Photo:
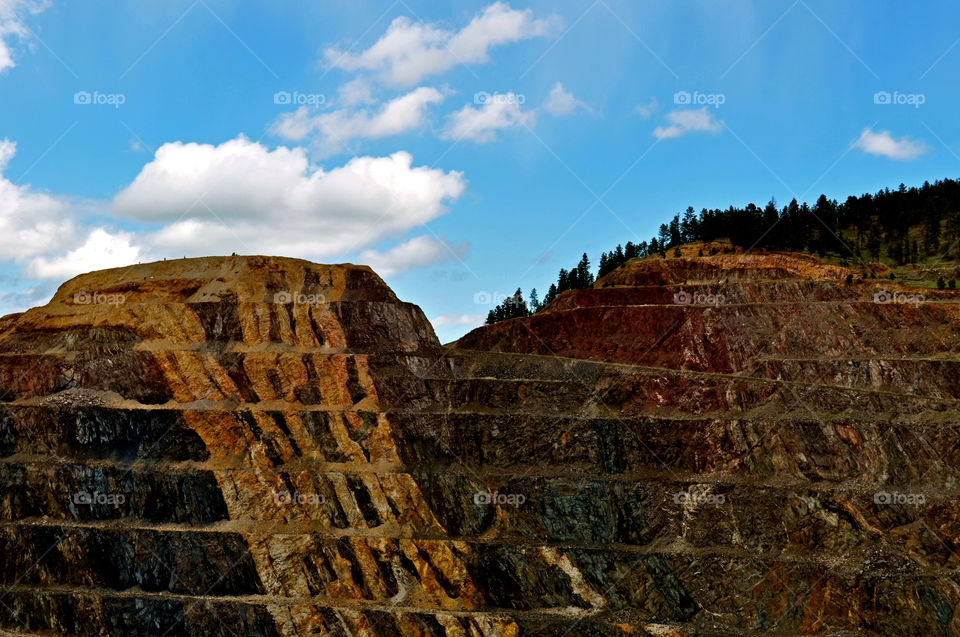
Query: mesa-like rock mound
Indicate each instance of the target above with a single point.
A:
(262, 446)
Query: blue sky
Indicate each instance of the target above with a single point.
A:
(461, 150)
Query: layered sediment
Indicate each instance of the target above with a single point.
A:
(266, 446)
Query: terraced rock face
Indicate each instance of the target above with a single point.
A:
(263, 446)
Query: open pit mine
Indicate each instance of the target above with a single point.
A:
(735, 444)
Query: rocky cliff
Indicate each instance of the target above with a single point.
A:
(265, 446)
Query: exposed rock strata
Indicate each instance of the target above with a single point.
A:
(264, 446)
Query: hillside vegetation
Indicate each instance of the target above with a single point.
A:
(912, 234)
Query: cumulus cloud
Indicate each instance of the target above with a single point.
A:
(241, 196)
(683, 121)
(884, 144)
(480, 125)
(561, 102)
(454, 320)
(12, 14)
(410, 51)
(35, 225)
(335, 129)
(417, 252)
(101, 249)
(31, 223)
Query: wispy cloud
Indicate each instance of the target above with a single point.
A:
(410, 51)
(416, 253)
(562, 102)
(12, 15)
(685, 121)
(456, 320)
(498, 112)
(647, 110)
(883, 144)
(333, 130)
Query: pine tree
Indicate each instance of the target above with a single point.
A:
(602, 268)
(676, 237)
(584, 277)
(664, 235)
(551, 294)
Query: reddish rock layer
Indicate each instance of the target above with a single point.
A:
(264, 446)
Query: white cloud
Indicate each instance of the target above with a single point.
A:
(356, 91)
(684, 121)
(647, 110)
(884, 145)
(561, 102)
(335, 129)
(241, 196)
(12, 14)
(498, 112)
(100, 250)
(451, 320)
(410, 51)
(39, 231)
(417, 252)
(23, 300)
(31, 223)
(7, 150)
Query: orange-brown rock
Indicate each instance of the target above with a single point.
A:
(266, 446)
